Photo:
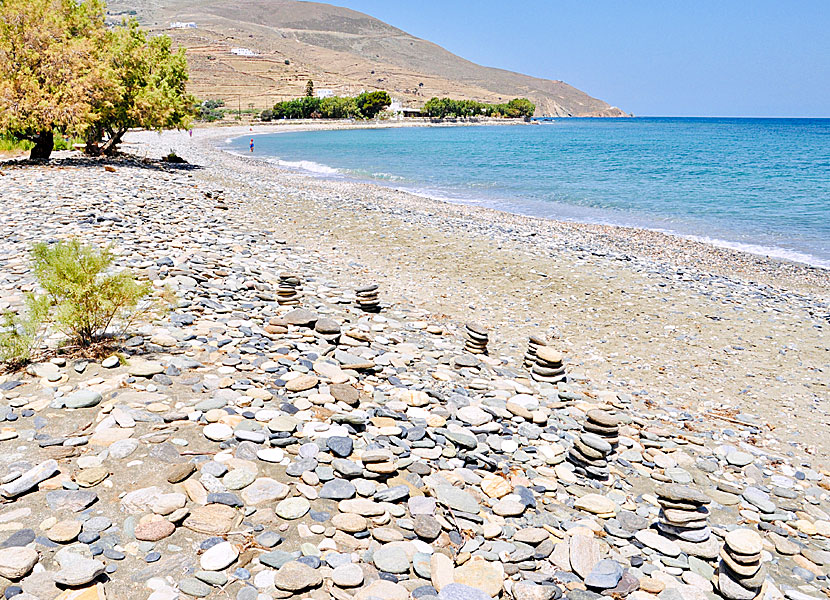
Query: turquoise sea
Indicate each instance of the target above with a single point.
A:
(761, 185)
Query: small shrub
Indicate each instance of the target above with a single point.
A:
(20, 333)
(85, 300)
(82, 299)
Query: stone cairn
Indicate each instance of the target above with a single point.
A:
(533, 344)
(549, 366)
(589, 456)
(740, 573)
(367, 298)
(287, 294)
(683, 513)
(605, 424)
(475, 339)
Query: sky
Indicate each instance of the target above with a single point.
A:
(648, 57)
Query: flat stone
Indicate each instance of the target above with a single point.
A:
(458, 591)
(153, 531)
(507, 507)
(683, 493)
(295, 576)
(380, 588)
(17, 561)
(605, 575)
(482, 574)
(218, 557)
(217, 432)
(337, 489)
(596, 504)
(83, 399)
(302, 383)
(180, 472)
(30, 479)
(349, 522)
(64, 531)
(391, 559)
(457, 499)
(264, 490)
(744, 541)
(584, 554)
(193, 587)
(76, 569)
(657, 542)
(212, 519)
(347, 576)
(292, 508)
(145, 368)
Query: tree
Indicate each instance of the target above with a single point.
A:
(147, 88)
(309, 89)
(51, 71)
(371, 103)
(336, 107)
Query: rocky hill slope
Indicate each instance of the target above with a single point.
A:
(254, 52)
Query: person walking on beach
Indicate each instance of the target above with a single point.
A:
(252, 145)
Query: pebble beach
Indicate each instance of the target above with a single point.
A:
(361, 393)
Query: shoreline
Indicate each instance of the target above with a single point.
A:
(742, 248)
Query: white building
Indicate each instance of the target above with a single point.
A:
(324, 93)
(396, 109)
(243, 52)
(182, 25)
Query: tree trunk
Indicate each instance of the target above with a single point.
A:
(44, 141)
(93, 138)
(110, 147)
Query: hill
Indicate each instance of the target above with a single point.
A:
(252, 53)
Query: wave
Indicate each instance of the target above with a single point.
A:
(305, 165)
(759, 250)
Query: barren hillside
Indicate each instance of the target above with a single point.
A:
(340, 49)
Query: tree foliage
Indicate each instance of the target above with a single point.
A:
(337, 107)
(447, 107)
(147, 87)
(63, 71)
(52, 71)
(365, 106)
(370, 104)
(211, 110)
(309, 88)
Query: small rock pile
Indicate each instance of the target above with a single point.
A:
(367, 297)
(740, 574)
(589, 456)
(605, 424)
(683, 513)
(476, 338)
(533, 344)
(287, 290)
(549, 366)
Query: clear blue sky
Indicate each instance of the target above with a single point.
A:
(649, 57)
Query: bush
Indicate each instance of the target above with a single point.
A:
(85, 300)
(80, 298)
(299, 108)
(210, 110)
(447, 107)
(371, 103)
(336, 107)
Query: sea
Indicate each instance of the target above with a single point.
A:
(758, 185)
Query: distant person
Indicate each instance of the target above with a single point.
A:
(252, 145)
(190, 132)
